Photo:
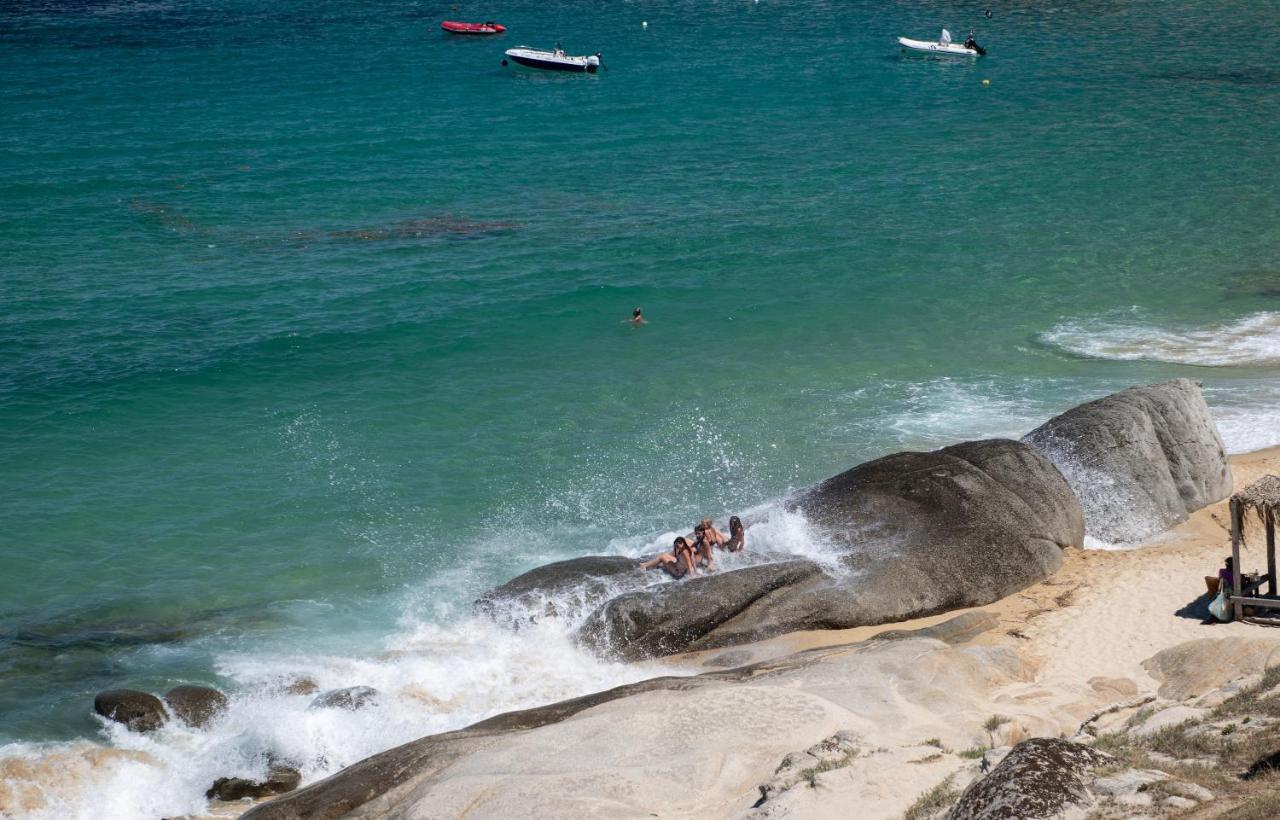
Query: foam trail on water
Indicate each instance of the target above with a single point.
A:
(1252, 340)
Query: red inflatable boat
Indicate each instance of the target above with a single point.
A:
(472, 28)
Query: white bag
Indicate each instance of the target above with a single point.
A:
(1219, 608)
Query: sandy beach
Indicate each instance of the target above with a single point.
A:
(894, 720)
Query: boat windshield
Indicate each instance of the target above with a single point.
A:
(945, 39)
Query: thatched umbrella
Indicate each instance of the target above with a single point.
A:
(1262, 497)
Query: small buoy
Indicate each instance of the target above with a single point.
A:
(988, 12)
(986, 82)
(644, 24)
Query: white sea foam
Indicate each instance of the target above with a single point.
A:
(1252, 340)
(439, 670)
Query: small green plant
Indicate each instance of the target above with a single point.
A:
(1228, 729)
(810, 774)
(973, 752)
(933, 801)
(995, 722)
(933, 741)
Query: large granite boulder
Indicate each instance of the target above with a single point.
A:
(679, 617)
(140, 711)
(916, 534)
(1139, 460)
(1039, 779)
(578, 583)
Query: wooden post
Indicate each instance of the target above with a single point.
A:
(1237, 607)
(1269, 519)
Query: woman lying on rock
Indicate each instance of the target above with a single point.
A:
(678, 563)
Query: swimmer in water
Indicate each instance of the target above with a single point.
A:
(637, 318)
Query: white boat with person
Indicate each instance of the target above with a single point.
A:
(555, 60)
(943, 45)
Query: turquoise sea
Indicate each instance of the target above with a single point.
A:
(312, 317)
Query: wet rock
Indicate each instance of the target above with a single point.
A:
(1139, 460)
(301, 686)
(734, 657)
(195, 705)
(350, 698)
(919, 533)
(576, 583)
(1040, 778)
(677, 617)
(140, 711)
(280, 779)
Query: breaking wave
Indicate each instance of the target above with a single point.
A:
(442, 668)
(1252, 340)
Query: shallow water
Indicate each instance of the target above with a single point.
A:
(312, 330)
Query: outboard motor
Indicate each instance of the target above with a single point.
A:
(593, 63)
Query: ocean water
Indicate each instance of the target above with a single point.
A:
(312, 319)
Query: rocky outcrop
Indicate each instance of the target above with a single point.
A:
(195, 705)
(917, 534)
(280, 779)
(1040, 778)
(688, 746)
(680, 617)
(350, 698)
(579, 583)
(1140, 460)
(140, 711)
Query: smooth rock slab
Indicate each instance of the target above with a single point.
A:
(1173, 716)
(1200, 666)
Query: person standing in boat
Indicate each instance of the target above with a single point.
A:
(970, 42)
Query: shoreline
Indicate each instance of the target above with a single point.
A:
(919, 700)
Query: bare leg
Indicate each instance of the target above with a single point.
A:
(664, 558)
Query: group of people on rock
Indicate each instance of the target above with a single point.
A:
(695, 551)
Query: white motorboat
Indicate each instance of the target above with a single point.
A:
(555, 60)
(943, 45)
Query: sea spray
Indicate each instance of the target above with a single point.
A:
(443, 668)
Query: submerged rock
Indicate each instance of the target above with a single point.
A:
(1039, 778)
(1140, 460)
(280, 780)
(140, 711)
(917, 534)
(195, 705)
(350, 698)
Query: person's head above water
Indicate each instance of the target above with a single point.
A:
(735, 525)
(635, 314)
